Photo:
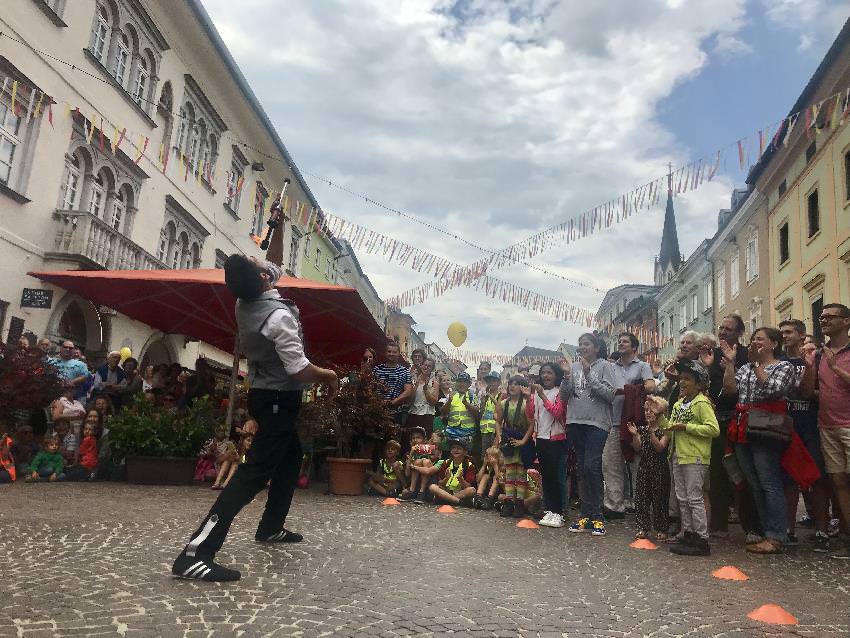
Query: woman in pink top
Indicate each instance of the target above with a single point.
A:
(548, 413)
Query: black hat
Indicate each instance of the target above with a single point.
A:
(459, 443)
(464, 376)
(418, 430)
(696, 368)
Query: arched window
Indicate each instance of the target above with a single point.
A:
(98, 195)
(100, 33)
(181, 248)
(194, 258)
(211, 157)
(71, 186)
(122, 58)
(119, 206)
(141, 87)
(182, 129)
(167, 239)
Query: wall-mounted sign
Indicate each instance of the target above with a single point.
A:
(36, 298)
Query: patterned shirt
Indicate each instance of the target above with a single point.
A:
(780, 378)
(392, 381)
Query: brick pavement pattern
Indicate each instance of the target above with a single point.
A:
(94, 559)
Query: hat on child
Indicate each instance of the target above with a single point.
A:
(459, 443)
(492, 376)
(696, 368)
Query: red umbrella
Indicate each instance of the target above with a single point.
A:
(197, 303)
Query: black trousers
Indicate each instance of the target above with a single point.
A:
(275, 454)
(549, 454)
(652, 496)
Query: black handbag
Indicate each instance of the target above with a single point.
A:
(763, 425)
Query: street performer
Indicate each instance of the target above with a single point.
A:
(271, 337)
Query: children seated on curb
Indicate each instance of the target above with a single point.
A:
(692, 425)
(85, 464)
(232, 459)
(461, 412)
(491, 479)
(457, 477)
(419, 456)
(512, 433)
(652, 493)
(212, 454)
(48, 463)
(388, 479)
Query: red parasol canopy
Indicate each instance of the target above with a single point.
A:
(197, 303)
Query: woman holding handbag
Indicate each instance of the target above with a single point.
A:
(761, 428)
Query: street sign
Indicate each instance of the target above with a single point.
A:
(36, 298)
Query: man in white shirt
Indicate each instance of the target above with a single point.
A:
(271, 338)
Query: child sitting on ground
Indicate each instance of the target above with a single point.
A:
(87, 455)
(388, 479)
(419, 456)
(491, 479)
(232, 459)
(428, 473)
(691, 427)
(24, 449)
(212, 453)
(48, 464)
(457, 477)
(7, 461)
(652, 493)
(68, 441)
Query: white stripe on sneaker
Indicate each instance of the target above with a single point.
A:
(196, 572)
(192, 547)
(206, 571)
(193, 567)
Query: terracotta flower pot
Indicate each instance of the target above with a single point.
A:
(346, 477)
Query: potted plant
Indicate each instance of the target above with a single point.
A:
(27, 382)
(354, 419)
(160, 446)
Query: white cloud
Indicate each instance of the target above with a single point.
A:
(492, 119)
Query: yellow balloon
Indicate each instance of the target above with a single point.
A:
(126, 353)
(456, 333)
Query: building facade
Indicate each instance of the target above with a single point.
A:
(686, 302)
(626, 308)
(739, 258)
(350, 273)
(806, 183)
(76, 194)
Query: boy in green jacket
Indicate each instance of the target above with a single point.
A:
(47, 464)
(692, 425)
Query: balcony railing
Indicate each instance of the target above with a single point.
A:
(81, 235)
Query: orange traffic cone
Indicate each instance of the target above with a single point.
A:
(643, 543)
(446, 509)
(772, 615)
(728, 572)
(528, 524)
(390, 501)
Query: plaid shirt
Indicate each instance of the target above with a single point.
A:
(780, 378)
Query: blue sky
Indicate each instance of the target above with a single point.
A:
(495, 120)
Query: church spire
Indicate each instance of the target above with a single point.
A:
(669, 258)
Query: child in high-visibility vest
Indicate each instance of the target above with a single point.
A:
(461, 412)
(388, 479)
(457, 477)
(490, 409)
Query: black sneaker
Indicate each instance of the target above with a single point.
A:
(283, 536)
(611, 515)
(466, 501)
(408, 496)
(791, 539)
(477, 502)
(820, 542)
(194, 568)
(507, 508)
(697, 546)
(486, 503)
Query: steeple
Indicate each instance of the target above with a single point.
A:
(669, 258)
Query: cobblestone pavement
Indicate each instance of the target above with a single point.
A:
(94, 559)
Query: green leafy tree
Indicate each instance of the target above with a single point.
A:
(27, 381)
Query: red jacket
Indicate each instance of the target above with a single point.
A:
(88, 453)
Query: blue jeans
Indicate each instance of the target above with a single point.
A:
(589, 442)
(761, 463)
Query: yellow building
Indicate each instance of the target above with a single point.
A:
(806, 182)
(319, 261)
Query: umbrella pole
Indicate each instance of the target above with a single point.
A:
(234, 377)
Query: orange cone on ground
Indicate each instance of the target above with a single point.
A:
(643, 543)
(446, 509)
(528, 524)
(772, 615)
(728, 572)
(390, 501)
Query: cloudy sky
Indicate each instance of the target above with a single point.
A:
(497, 118)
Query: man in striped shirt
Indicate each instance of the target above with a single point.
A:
(395, 381)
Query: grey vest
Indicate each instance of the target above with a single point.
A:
(265, 369)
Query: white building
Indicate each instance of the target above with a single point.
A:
(68, 201)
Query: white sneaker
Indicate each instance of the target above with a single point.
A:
(557, 520)
(547, 517)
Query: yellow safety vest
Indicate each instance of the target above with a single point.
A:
(461, 422)
(487, 425)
